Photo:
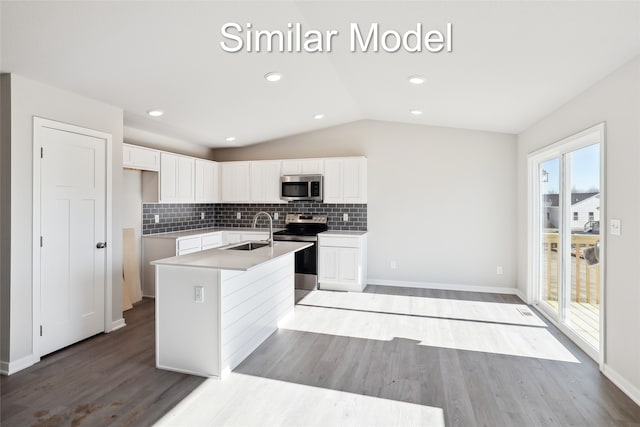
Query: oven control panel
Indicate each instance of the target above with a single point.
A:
(300, 218)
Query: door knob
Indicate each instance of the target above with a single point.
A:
(101, 245)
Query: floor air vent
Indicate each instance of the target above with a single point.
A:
(525, 311)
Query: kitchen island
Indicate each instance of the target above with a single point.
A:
(214, 307)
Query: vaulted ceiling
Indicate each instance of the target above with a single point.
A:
(511, 62)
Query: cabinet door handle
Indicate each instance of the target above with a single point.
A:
(101, 245)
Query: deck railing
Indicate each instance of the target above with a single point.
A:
(591, 284)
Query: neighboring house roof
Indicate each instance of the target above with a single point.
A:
(587, 200)
(553, 199)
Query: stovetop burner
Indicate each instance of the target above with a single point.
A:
(302, 226)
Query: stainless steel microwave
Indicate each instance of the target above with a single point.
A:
(301, 187)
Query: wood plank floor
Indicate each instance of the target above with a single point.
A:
(111, 379)
(474, 388)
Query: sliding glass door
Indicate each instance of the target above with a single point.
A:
(549, 227)
(567, 246)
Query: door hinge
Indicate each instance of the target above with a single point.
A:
(41, 152)
(40, 241)
(40, 330)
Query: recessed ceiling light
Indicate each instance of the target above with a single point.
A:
(415, 112)
(273, 77)
(155, 113)
(416, 80)
(318, 116)
(230, 138)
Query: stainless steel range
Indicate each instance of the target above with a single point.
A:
(304, 228)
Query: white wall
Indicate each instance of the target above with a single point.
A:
(441, 201)
(132, 207)
(29, 99)
(616, 101)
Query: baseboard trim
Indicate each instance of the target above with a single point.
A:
(445, 286)
(522, 296)
(10, 368)
(117, 324)
(627, 388)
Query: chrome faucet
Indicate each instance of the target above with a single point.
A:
(255, 221)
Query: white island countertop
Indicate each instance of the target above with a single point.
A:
(229, 259)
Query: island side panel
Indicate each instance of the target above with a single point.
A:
(154, 248)
(253, 303)
(188, 332)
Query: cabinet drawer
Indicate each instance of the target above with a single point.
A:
(189, 251)
(340, 241)
(189, 243)
(211, 240)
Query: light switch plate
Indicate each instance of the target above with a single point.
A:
(156, 218)
(238, 215)
(345, 217)
(199, 294)
(615, 228)
(275, 215)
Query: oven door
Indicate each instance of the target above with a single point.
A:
(307, 268)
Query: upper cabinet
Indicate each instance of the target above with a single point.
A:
(345, 180)
(134, 157)
(207, 181)
(236, 184)
(303, 167)
(177, 175)
(265, 181)
(173, 178)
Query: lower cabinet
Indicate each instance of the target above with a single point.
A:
(342, 261)
(159, 246)
(242, 236)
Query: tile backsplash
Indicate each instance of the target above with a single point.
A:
(187, 216)
(226, 214)
(176, 216)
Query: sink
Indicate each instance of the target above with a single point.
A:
(249, 246)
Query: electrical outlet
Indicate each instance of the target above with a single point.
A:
(156, 218)
(238, 215)
(394, 265)
(201, 215)
(345, 217)
(199, 294)
(499, 269)
(275, 215)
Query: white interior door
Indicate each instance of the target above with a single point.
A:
(73, 229)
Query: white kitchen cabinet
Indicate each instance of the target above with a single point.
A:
(342, 261)
(188, 245)
(207, 181)
(134, 157)
(236, 182)
(176, 178)
(212, 240)
(345, 180)
(265, 181)
(303, 167)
